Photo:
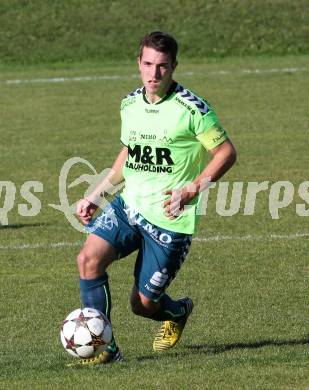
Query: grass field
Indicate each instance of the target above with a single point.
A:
(36, 31)
(249, 329)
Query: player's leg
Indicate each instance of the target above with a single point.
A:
(171, 329)
(94, 258)
(143, 306)
(164, 309)
(173, 313)
(110, 238)
(156, 266)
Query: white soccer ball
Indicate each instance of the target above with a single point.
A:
(85, 333)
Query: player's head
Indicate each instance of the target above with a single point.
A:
(157, 62)
(161, 42)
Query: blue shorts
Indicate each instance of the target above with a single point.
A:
(161, 252)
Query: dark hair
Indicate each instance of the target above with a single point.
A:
(160, 41)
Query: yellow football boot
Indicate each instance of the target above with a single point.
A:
(170, 332)
(103, 358)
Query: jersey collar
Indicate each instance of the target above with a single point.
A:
(168, 94)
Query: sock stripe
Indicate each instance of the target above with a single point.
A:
(176, 315)
(107, 306)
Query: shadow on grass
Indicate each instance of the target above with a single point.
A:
(209, 349)
(22, 225)
(219, 348)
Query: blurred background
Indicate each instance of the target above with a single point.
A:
(49, 31)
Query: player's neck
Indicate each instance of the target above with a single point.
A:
(156, 97)
(153, 98)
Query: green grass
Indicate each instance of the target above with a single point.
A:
(249, 329)
(35, 31)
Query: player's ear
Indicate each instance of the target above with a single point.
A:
(174, 65)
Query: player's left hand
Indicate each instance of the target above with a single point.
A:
(177, 201)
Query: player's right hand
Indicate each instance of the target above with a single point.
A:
(85, 210)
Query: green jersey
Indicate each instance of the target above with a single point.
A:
(164, 152)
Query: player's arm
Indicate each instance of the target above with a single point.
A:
(87, 206)
(223, 157)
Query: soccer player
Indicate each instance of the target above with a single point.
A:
(166, 133)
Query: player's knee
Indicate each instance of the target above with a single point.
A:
(144, 307)
(82, 259)
(88, 265)
(135, 307)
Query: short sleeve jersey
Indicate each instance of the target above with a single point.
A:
(164, 152)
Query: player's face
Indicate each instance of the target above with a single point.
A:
(156, 69)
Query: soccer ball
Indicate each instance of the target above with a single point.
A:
(85, 333)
